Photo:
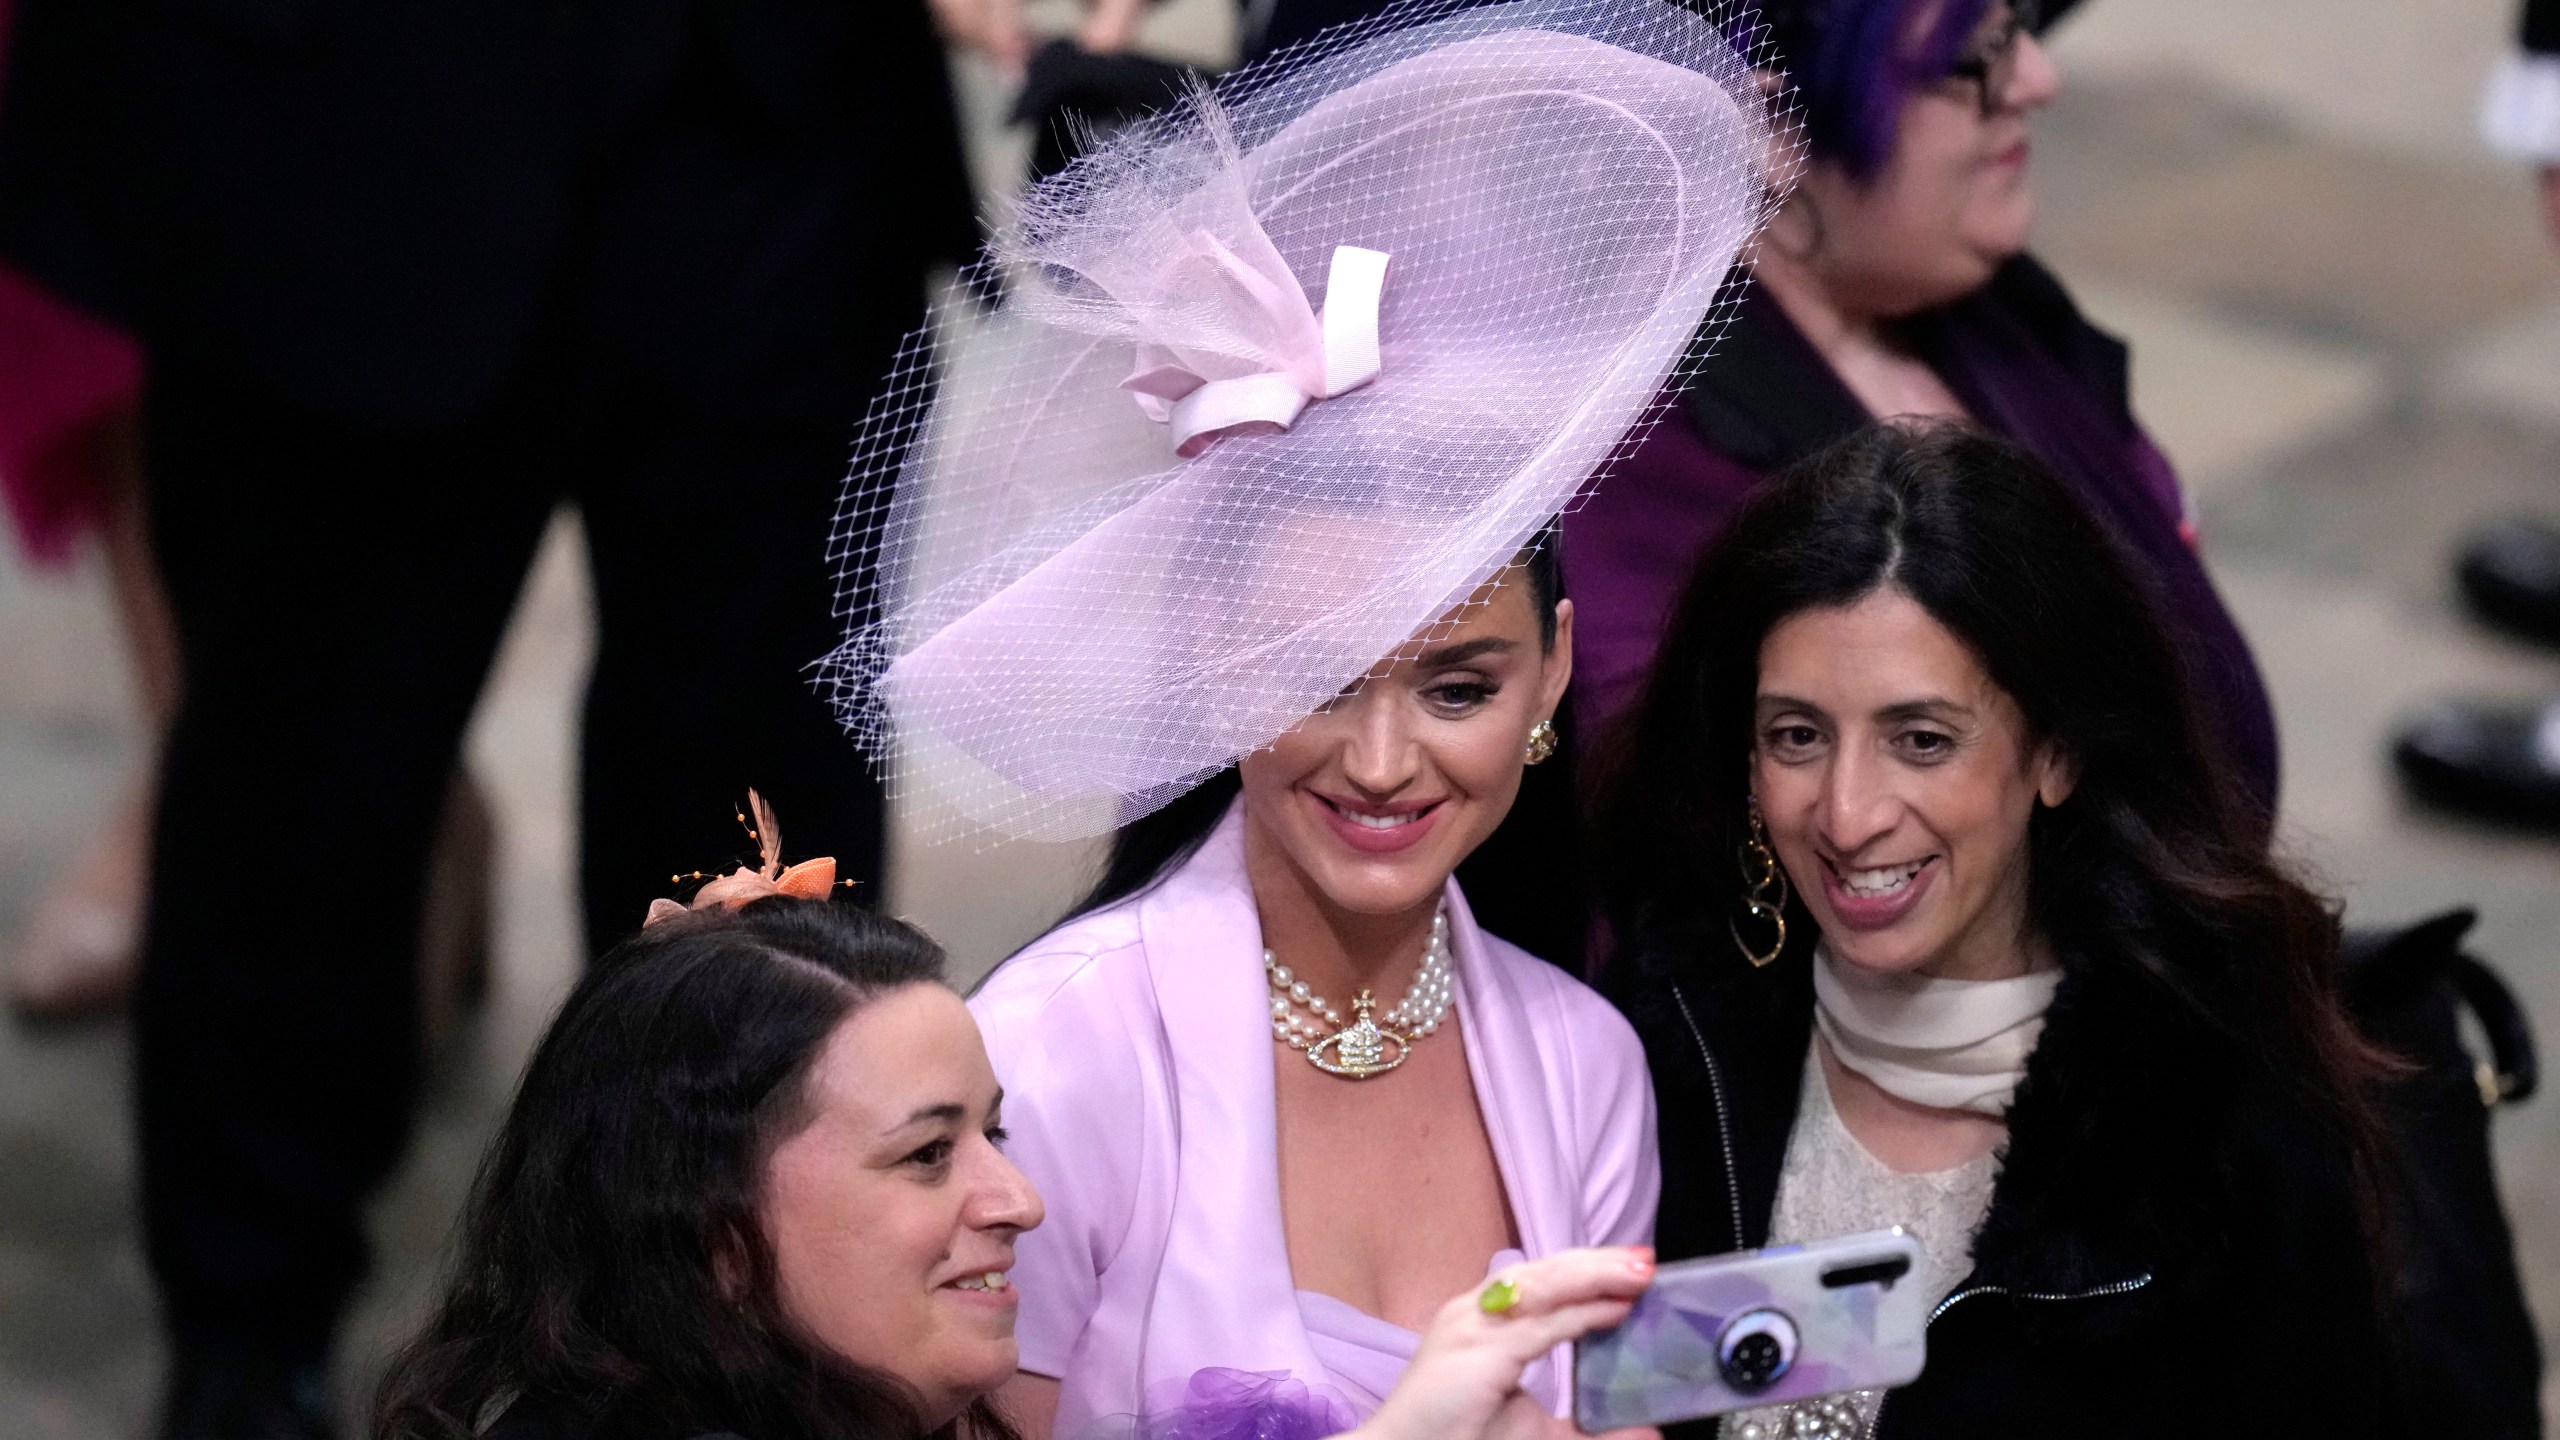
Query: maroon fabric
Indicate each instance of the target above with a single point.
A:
(1627, 552)
(2024, 361)
(61, 375)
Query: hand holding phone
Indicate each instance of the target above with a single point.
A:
(1464, 1380)
(1758, 1327)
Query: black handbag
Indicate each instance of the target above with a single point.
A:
(2470, 1362)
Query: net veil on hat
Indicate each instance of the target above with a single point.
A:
(1280, 381)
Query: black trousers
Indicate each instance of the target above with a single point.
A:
(339, 593)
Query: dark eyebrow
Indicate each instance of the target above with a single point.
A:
(1934, 707)
(1927, 707)
(1464, 651)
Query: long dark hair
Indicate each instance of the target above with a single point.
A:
(612, 1271)
(2156, 864)
(1154, 845)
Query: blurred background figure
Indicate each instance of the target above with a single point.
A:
(410, 278)
(70, 470)
(2502, 761)
(69, 385)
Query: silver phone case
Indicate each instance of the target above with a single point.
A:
(1706, 1320)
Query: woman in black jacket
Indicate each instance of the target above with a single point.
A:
(2005, 960)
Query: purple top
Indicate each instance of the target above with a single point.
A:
(1364, 1355)
(1628, 551)
(2025, 365)
(1134, 1045)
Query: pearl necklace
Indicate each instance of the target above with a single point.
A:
(1363, 1047)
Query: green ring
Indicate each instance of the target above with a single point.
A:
(1497, 1296)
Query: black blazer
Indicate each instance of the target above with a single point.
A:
(2170, 1249)
(2541, 26)
(374, 205)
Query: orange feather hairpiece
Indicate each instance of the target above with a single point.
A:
(808, 880)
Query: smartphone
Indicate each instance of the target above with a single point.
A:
(1758, 1327)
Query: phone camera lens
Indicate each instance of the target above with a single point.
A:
(1756, 1350)
(1755, 1361)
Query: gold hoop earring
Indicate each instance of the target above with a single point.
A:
(1542, 743)
(1760, 876)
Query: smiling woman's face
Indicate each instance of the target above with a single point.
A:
(1375, 799)
(890, 1210)
(1897, 782)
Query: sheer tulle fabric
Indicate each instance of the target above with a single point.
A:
(1058, 619)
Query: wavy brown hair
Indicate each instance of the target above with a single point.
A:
(612, 1269)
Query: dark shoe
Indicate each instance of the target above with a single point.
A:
(228, 1399)
(2499, 762)
(2510, 571)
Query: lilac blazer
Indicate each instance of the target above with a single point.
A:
(1134, 1046)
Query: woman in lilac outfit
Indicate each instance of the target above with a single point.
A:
(1261, 575)
(1216, 1202)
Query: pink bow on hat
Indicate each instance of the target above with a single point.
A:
(1065, 625)
(1314, 357)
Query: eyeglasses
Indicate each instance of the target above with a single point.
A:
(1991, 63)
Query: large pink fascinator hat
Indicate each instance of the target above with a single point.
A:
(1278, 383)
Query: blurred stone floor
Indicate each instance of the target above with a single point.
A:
(2346, 328)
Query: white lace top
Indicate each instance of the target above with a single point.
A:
(1829, 1185)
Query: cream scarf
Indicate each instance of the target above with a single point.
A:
(1949, 1044)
